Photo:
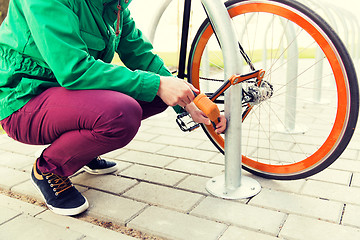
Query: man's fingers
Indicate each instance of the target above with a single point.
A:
(221, 126)
(193, 88)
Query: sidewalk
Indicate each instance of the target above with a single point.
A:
(39, 223)
(160, 190)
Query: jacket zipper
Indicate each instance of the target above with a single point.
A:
(118, 19)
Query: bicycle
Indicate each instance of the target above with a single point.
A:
(274, 144)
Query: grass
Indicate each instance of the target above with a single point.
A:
(171, 58)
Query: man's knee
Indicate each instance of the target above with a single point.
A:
(121, 121)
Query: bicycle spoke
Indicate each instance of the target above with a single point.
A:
(291, 133)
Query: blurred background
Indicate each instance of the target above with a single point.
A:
(343, 16)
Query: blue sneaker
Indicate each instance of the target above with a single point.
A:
(99, 166)
(59, 194)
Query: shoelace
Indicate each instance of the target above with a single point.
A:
(101, 161)
(58, 183)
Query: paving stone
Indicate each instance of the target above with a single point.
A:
(27, 227)
(81, 189)
(333, 176)
(108, 183)
(207, 146)
(349, 154)
(114, 154)
(28, 189)
(265, 153)
(155, 175)
(354, 143)
(181, 152)
(20, 206)
(7, 214)
(4, 138)
(236, 213)
(166, 132)
(299, 227)
(235, 233)
(176, 226)
(293, 186)
(11, 177)
(298, 204)
(144, 126)
(249, 142)
(39, 151)
(346, 165)
(330, 191)
(144, 146)
(149, 159)
(144, 136)
(90, 230)
(197, 134)
(157, 121)
(27, 168)
(181, 142)
(15, 160)
(197, 168)
(113, 208)
(218, 159)
(355, 180)
(195, 184)
(21, 148)
(88, 238)
(121, 165)
(164, 196)
(351, 216)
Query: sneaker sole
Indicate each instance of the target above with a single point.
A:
(100, 171)
(61, 211)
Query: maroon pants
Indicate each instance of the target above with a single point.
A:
(79, 125)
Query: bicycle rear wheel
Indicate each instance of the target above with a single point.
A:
(311, 116)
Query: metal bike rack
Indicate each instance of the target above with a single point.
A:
(350, 38)
(231, 185)
(233, 168)
(292, 66)
(156, 19)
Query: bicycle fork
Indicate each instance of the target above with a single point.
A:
(253, 95)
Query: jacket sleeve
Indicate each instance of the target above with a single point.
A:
(55, 29)
(135, 50)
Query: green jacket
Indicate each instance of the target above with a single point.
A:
(70, 43)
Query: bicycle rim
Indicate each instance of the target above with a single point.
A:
(310, 118)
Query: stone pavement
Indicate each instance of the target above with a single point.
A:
(160, 190)
(21, 220)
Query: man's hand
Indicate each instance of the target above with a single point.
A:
(174, 91)
(198, 116)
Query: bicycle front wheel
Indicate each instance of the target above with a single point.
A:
(311, 116)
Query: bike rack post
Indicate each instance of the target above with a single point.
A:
(292, 66)
(232, 185)
(329, 12)
(291, 80)
(156, 19)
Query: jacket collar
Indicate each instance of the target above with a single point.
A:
(100, 4)
(123, 3)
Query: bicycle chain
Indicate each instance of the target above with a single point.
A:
(212, 79)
